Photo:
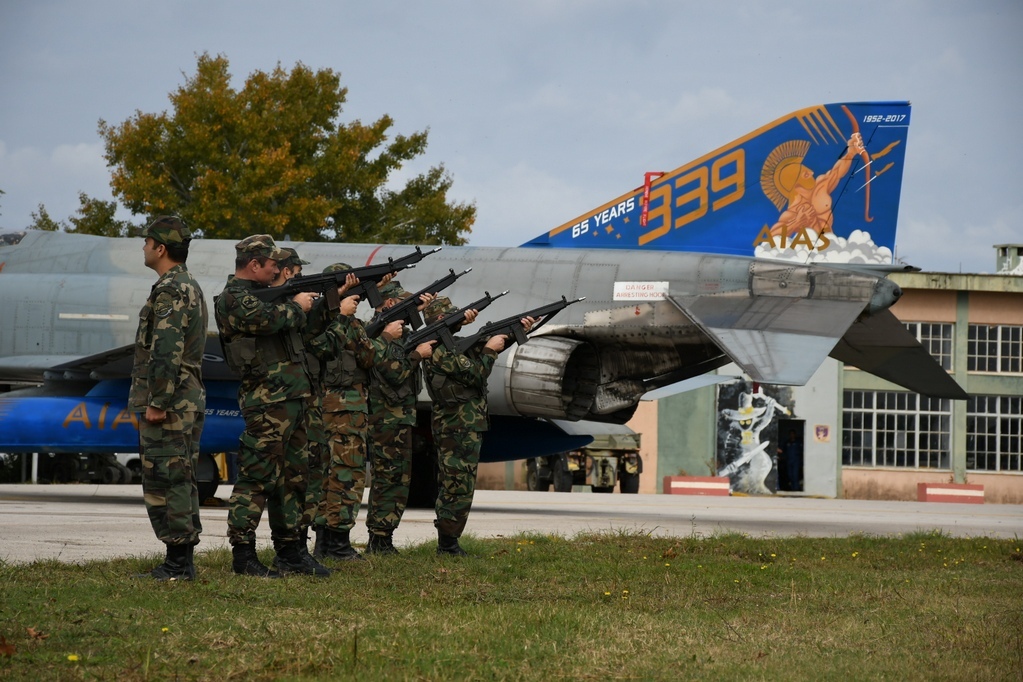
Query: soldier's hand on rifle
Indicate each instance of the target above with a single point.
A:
(496, 343)
(425, 300)
(350, 281)
(349, 305)
(394, 329)
(470, 316)
(385, 279)
(304, 299)
(527, 323)
(425, 349)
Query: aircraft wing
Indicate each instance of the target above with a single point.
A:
(776, 340)
(881, 344)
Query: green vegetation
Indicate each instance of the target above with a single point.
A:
(608, 606)
(272, 156)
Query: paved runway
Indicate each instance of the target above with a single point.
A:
(86, 522)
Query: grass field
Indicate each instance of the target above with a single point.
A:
(609, 606)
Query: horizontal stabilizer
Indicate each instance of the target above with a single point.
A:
(775, 340)
(882, 346)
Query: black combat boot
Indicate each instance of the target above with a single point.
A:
(247, 563)
(338, 546)
(319, 547)
(303, 534)
(447, 545)
(293, 557)
(381, 544)
(177, 566)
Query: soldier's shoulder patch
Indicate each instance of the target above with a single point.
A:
(163, 306)
(250, 302)
(464, 362)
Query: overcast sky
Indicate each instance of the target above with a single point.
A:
(543, 109)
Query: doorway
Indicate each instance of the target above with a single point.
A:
(791, 438)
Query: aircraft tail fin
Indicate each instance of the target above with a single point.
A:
(821, 184)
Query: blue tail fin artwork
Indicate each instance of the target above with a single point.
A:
(821, 184)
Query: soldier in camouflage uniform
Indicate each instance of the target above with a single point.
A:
(291, 266)
(457, 384)
(348, 355)
(168, 393)
(393, 389)
(263, 344)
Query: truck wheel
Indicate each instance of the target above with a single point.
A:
(562, 477)
(536, 481)
(111, 475)
(628, 483)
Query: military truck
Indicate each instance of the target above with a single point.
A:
(613, 457)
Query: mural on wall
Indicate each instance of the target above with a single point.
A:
(748, 434)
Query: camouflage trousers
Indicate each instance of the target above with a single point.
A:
(318, 460)
(273, 463)
(170, 455)
(390, 463)
(458, 457)
(346, 474)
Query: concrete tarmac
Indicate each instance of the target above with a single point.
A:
(76, 523)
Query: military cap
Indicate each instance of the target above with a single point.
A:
(260, 245)
(439, 307)
(292, 259)
(337, 267)
(168, 229)
(393, 290)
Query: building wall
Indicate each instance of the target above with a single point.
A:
(898, 484)
(644, 422)
(686, 437)
(822, 454)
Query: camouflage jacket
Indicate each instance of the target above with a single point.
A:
(394, 386)
(318, 320)
(344, 348)
(457, 383)
(264, 340)
(169, 345)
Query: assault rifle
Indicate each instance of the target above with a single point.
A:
(407, 310)
(327, 283)
(512, 325)
(442, 328)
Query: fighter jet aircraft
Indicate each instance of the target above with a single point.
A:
(651, 318)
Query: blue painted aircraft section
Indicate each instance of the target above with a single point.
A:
(99, 420)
